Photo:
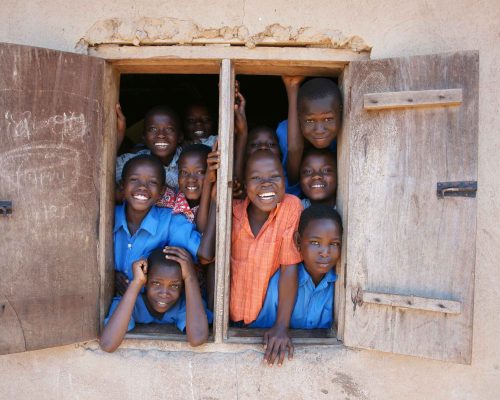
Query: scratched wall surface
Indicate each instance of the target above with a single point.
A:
(50, 162)
(394, 28)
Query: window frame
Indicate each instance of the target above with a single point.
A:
(227, 61)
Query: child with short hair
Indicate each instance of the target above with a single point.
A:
(262, 242)
(140, 226)
(314, 119)
(172, 296)
(192, 165)
(319, 240)
(318, 177)
(198, 125)
(162, 135)
(263, 138)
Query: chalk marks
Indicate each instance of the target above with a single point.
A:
(49, 168)
(67, 126)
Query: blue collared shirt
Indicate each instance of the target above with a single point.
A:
(159, 228)
(141, 315)
(313, 306)
(282, 133)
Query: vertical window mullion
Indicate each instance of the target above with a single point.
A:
(224, 200)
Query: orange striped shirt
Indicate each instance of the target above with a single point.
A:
(255, 259)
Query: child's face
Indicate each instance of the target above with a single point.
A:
(142, 186)
(263, 140)
(192, 168)
(164, 288)
(198, 123)
(320, 120)
(320, 245)
(318, 177)
(161, 135)
(265, 183)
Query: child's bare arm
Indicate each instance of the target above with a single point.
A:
(196, 317)
(240, 134)
(115, 329)
(295, 139)
(121, 126)
(208, 182)
(276, 340)
(206, 251)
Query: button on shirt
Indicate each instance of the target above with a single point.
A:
(159, 228)
(171, 170)
(313, 307)
(175, 315)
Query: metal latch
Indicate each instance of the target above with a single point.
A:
(5, 207)
(456, 189)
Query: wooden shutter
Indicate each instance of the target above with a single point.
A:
(411, 124)
(51, 127)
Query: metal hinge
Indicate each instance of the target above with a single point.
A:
(456, 189)
(5, 207)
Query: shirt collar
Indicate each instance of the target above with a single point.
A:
(304, 277)
(149, 223)
(243, 214)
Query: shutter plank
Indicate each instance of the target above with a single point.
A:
(402, 240)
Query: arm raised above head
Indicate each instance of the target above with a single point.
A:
(294, 137)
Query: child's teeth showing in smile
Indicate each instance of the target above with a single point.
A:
(161, 145)
(267, 195)
(140, 197)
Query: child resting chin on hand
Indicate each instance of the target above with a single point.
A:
(172, 296)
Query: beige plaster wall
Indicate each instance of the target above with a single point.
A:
(394, 28)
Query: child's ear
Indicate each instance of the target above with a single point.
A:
(296, 240)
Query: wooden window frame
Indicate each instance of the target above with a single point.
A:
(227, 61)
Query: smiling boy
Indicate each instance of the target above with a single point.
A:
(162, 135)
(198, 125)
(318, 177)
(192, 166)
(319, 239)
(140, 226)
(172, 296)
(262, 243)
(314, 119)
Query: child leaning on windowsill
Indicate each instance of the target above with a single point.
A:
(172, 296)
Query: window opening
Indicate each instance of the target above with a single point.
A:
(267, 104)
(137, 94)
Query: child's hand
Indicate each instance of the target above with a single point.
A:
(183, 258)
(292, 81)
(240, 119)
(121, 124)
(140, 270)
(213, 163)
(276, 344)
(238, 192)
(121, 283)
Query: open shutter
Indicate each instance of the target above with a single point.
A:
(51, 129)
(412, 129)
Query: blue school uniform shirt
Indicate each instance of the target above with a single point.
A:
(313, 306)
(175, 315)
(158, 228)
(282, 133)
